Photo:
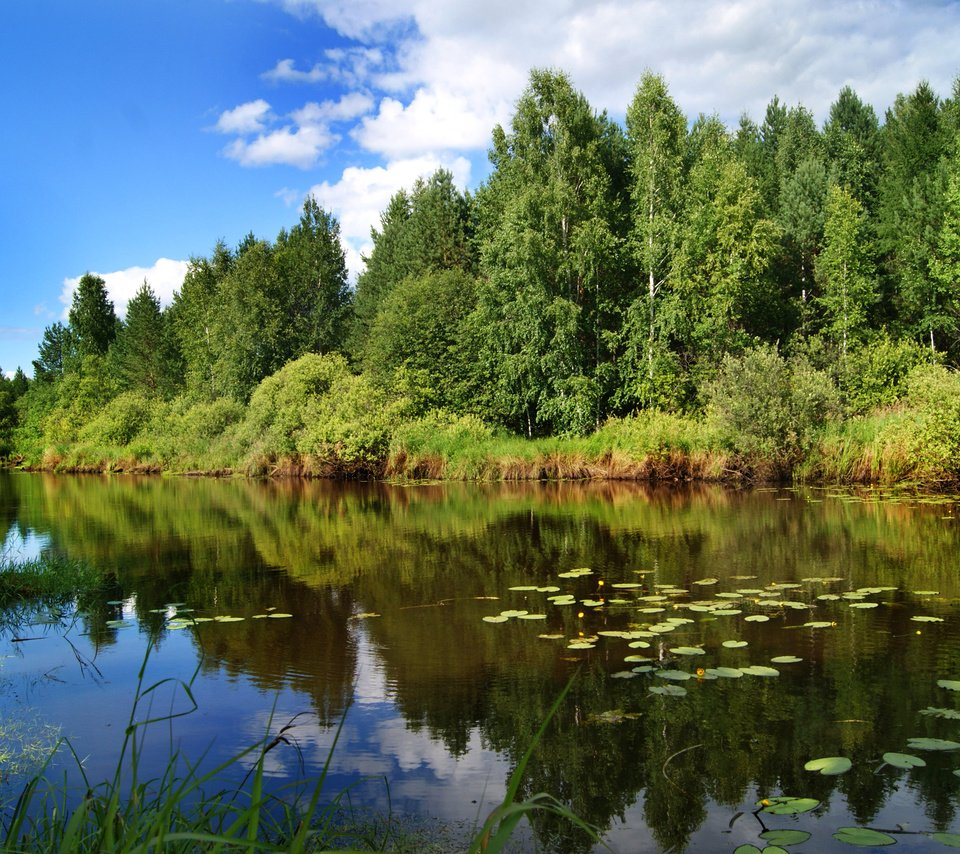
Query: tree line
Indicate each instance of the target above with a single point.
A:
(600, 270)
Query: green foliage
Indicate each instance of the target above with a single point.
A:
(119, 420)
(769, 407)
(316, 408)
(417, 340)
(93, 320)
(143, 353)
(874, 373)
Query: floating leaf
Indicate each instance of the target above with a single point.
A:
(513, 613)
(829, 766)
(785, 837)
(818, 624)
(752, 591)
(863, 837)
(786, 659)
(644, 668)
(259, 616)
(756, 618)
(706, 581)
(828, 597)
(734, 644)
(533, 616)
(523, 587)
(498, 619)
(623, 674)
(760, 670)
(746, 849)
(903, 760)
(224, 619)
(548, 589)
(118, 624)
(932, 744)
(926, 619)
(678, 621)
(675, 675)
(668, 690)
(951, 840)
(864, 605)
(662, 628)
(725, 672)
(788, 805)
(637, 658)
(926, 592)
(553, 636)
(727, 612)
(278, 616)
(639, 645)
(581, 645)
(627, 585)
(652, 610)
(949, 684)
(686, 650)
(949, 714)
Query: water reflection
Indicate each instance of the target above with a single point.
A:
(387, 586)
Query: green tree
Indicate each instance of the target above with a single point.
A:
(723, 291)
(142, 353)
(845, 269)
(57, 350)
(942, 311)
(417, 340)
(851, 138)
(194, 309)
(552, 217)
(92, 317)
(316, 297)
(656, 136)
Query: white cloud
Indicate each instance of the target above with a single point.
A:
(350, 106)
(285, 72)
(247, 118)
(164, 277)
(293, 145)
(361, 194)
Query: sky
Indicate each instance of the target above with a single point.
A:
(137, 134)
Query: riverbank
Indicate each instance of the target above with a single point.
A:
(315, 419)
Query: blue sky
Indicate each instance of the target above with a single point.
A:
(136, 134)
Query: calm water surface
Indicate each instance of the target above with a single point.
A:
(387, 587)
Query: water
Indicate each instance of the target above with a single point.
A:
(388, 585)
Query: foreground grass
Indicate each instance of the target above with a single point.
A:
(50, 581)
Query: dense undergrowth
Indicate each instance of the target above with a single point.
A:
(766, 418)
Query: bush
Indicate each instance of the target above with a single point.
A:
(119, 420)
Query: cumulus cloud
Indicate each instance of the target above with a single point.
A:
(164, 277)
(247, 118)
(294, 145)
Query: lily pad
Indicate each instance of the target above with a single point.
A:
(760, 670)
(951, 840)
(686, 650)
(727, 612)
(903, 760)
(785, 837)
(829, 766)
(864, 605)
(498, 619)
(675, 675)
(706, 581)
(637, 658)
(624, 674)
(276, 615)
(118, 624)
(668, 690)
(932, 744)
(756, 618)
(922, 618)
(725, 672)
(786, 659)
(640, 644)
(227, 619)
(949, 684)
(818, 624)
(734, 644)
(785, 805)
(581, 645)
(746, 849)
(533, 616)
(863, 837)
(512, 613)
(949, 714)
(523, 587)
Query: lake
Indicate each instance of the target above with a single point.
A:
(721, 640)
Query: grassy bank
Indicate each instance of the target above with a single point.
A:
(48, 581)
(766, 419)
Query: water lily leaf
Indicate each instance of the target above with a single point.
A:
(668, 690)
(523, 587)
(227, 619)
(818, 624)
(259, 616)
(637, 658)
(727, 612)
(749, 591)
(926, 592)
(949, 684)
(948, 714)
(276, 615)
(581, 645)
(627, 585)
(951, 840)
(498, 619)
(652, 610)
(512, 613)
(624, 674)
(828, 597)
(725, 672)
(700, 609)
(797, 606)
(932, 744)
(644, 668)
(662, 628)
(203, 619)
(118, 624)
(706, 581)
(746, 849)
(756, 618)
(686, 650)
(533, 616)
(864, 605)
(675, 675)
(729, 596)
(788, 805)
(830, 766)
(760, 670)
(785, 837)
(925, 619)
(903, 760)
(551, 636)
(734, 644)
(863, 837)
(592, 603)
(786, 659)
(679, 621)
(550, 588)
(639, 645)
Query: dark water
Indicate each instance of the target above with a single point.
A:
(388, 586)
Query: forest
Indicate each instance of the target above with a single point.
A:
(671, 297)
